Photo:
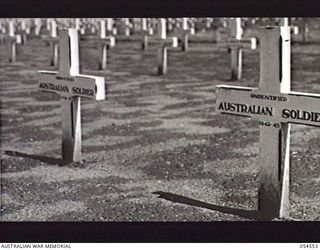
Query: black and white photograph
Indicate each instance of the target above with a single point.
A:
(184, 119)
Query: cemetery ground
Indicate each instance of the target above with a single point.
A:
(155, 149)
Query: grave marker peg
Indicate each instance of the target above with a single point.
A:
(275, 106)
(71, 86)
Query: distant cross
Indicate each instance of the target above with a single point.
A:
(275, 106)
(146, 31)
(13, 39)
(184, 33)
(110, 27)
(71, 86)
(24, 31)
(163, 41)
(107, 42)
(53, 41)
(286, 22)
(78, 25)
(38, 26)
(209, 22)
(127, 26)
(236, 43)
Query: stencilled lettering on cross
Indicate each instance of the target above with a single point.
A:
(275, 107)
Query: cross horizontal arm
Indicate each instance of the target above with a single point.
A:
(173, 41)
(92, 87)
(250, 43)
(294, 107)
(108, 40)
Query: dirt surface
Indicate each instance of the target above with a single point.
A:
(155, 149)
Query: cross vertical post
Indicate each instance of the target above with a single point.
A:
(71, 120)
(274, 141)
(162, 50)
(53, 43)
(185, 35)
(162, 60)
(236, 51)
(145, 33)
(13, 47)
(38, 25)
(127, 26)
(104, 49)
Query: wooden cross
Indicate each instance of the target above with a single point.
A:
(275, 106)
(164, 42)
(106, 43)
(236, 43)
(184, 33)
(24, 31)
(146, 31)
(110, 27)
(13, 39)
(38, 26)
(70, 86)
(127, 26)
(286, 22)
(53, 41)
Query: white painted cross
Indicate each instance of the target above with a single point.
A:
(106, 43)
(53, 41)
(275, 106)
(163, 42)
(110, 24)
(236, 43)
(184, 33)
(286, 22)
(70, 86)
(38, 26)
(13, 39)
(24, 31)
(111, 27)
(127, 26)
(146, 31)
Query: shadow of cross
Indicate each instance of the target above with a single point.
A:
(70, 86)
(275, 106)
(236, 43)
